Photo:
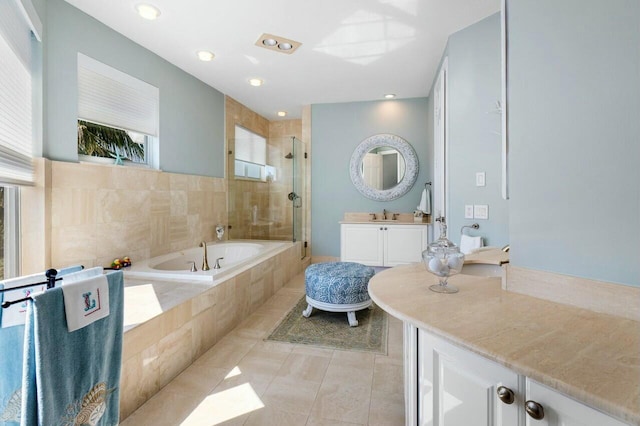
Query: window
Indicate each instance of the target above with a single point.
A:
(117, 115)
(9, 266)
(251, 155)
(19, 49)
(96, 140)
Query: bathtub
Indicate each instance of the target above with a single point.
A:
(236, 256)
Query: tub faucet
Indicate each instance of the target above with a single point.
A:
(217, 265)
(205, 263)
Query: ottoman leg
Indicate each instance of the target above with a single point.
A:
(307, 312)
(351, 316)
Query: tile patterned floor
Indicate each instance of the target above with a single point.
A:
(244, 380)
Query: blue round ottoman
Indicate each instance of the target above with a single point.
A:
(338, 287)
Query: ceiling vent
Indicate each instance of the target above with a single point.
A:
(279, 44)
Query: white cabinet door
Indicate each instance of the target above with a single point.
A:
(457, 387)
(404, 244)
(382, 244)
(362, 244)
(560, 410)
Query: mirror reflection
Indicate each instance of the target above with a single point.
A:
(383, 168)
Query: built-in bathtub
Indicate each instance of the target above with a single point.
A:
(232, 255)
(173, 316)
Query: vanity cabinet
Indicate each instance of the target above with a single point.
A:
(451, 386)
(383, 243)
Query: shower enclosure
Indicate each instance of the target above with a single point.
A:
(267, 195)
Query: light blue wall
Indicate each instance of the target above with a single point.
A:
(574, 129)
(474, 125)
(191, 113)
(337, 129)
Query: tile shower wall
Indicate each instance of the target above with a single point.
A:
(245, 194)
(102, 212)
(274, 218)
(280, 208)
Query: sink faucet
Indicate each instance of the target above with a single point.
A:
(384, 214)
(205, 263)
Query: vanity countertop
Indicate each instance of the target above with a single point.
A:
(592, 357)
(365, 218)
(489, 257)
(382, 222)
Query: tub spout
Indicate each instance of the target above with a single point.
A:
(205, 262)
(219, 232)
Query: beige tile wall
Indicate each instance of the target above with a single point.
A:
(244, 194)
(101, 212)
(158, 350)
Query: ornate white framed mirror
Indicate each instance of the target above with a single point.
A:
(383, 167)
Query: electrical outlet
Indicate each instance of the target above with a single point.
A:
(468, 211)
(480, 181)
(481, 211)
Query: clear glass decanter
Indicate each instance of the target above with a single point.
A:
(443, 259)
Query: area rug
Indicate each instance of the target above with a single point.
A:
(332, 330)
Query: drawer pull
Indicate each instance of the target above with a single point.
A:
(534, 410)
(506, 395)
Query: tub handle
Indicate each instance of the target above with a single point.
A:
(217, 265)
(193, 266)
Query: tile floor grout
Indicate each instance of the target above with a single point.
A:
(245, 394)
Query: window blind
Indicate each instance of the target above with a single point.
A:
(110, 97)
(250, 147)
(16, 123)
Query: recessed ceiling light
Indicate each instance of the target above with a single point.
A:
(255, 82)
(282, 113)
(205, 55)
(277, 43)
(389, 96)
(147, 11)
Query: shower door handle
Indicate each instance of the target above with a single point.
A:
(297, 201)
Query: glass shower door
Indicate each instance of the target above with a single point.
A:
(299, 188)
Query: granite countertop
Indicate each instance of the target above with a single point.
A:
(591, 357)
(383, 222)
(493, 256)
(400, 219)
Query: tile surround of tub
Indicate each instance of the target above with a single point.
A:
(101, 212)
(158, 349)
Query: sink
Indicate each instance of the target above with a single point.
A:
(384, 220)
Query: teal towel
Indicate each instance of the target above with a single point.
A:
(11, 339)
(11, 356)
(72, 378)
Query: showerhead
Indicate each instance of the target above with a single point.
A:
(289, 156)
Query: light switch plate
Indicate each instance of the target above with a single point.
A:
(481, 211)
(480, 181)
(468, 211)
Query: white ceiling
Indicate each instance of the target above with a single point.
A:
(352, 50)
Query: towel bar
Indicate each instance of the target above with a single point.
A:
(474, 226)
